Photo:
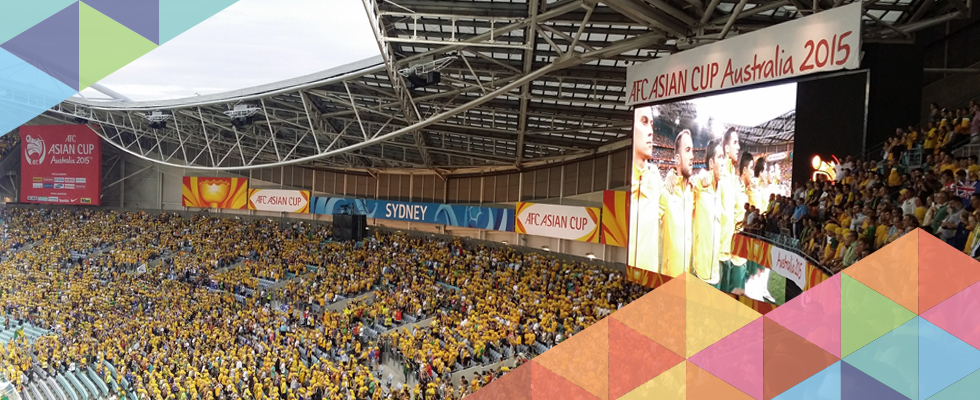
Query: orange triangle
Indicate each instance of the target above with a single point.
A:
(893, 271)
(634, 359)
(583, 359)
(660, 315)
(546, 385)
(701, 385)
(943, 272)
(514, 385)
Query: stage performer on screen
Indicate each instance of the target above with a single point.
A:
(737, 274)
(732, 201)
(677, 208)
(645, 190)
(707, 216)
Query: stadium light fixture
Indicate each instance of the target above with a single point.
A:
(241, 115)
(590, 256)
(546, 248)
(504, 242)
(158, 120)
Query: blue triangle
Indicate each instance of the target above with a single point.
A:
(142, 17)
(19, 15)
(825, 385)
(51, 46)
(856, 385)
(177, 16)
(943, 359)
(966, 388)
(26, 92)
(892, 359)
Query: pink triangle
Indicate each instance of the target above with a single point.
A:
(814, 315)
(959, 315)
(736, 359)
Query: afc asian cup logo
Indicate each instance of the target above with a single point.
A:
(35, 151)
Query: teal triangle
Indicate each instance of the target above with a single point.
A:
(177, 16)
(892, 359)
(825, 385)
(20, 15)
(26, 92)
(966, 388)
(943, 359)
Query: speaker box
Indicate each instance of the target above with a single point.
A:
(349, 227)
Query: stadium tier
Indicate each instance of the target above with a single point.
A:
(499, 178)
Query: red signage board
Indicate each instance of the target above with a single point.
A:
(60, 164)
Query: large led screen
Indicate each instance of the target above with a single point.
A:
(704, 169)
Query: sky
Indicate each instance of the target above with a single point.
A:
(250, 43)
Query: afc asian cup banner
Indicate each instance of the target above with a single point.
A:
(291, 201)
(826, 41)
(60, 164)
(211, 192)
(562, 222)
(487, 218)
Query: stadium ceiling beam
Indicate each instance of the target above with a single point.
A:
(532, 39)
(497, 32)
(648, 16)
(409, 110)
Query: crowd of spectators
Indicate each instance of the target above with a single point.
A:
(173, 305)
(916, 183)
(8, 142)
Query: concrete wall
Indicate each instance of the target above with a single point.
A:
(153, 187)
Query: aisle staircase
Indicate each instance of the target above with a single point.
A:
(82, 384)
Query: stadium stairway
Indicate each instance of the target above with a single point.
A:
(77, 385)
(66, 387)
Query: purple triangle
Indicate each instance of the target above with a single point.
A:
(141, 16)
(856, 385)
(51, 46)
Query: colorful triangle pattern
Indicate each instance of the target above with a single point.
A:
(52, 49)
(911, 335)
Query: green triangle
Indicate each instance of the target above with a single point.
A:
(866, 315)
(105, 46)
(965, 388)
(892, 359)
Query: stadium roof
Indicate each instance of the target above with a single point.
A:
(522, 82)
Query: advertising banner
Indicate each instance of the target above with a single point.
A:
(60, 164)
(211, 192)
(826, 41)
(563, 222)
(784, 262)
(494, 219)
(615, 218)
(788, 264)
(291, 201)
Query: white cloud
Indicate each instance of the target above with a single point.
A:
(252, 42)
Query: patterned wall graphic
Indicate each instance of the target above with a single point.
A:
(900, 324)
(206, 192)
(615, 218)
(52, 49)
